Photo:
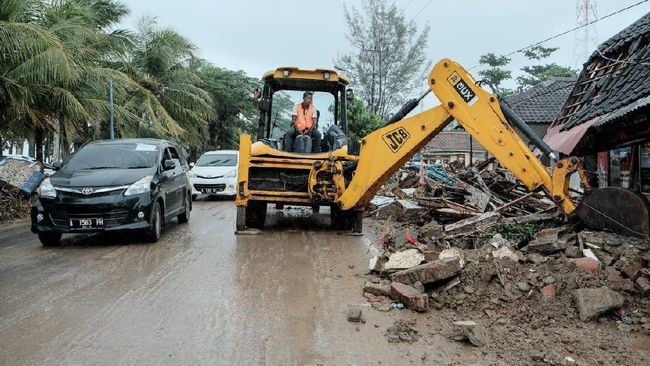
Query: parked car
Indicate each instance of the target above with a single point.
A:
(114, 185)
(215, 174)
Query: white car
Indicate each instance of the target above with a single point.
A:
(215, 174)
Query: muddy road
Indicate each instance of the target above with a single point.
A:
(202, 295)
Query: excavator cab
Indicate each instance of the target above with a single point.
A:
(288, 84)
(269, 174)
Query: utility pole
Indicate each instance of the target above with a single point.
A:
(585, 39)
(111, 122)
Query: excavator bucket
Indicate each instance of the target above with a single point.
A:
(617, 209)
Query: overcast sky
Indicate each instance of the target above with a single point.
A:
(260, 35)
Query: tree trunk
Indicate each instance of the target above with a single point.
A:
(38, 144)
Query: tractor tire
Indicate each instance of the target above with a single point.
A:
(255, 214)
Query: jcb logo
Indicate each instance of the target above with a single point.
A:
(396, 138)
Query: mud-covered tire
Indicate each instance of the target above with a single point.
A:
(185, 216)
(241, 218)
(346, 219)
(50, 239)
(155, 230)
(341, 220)
(255, 214)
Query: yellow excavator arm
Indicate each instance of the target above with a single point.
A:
(385, 150)
(346, 180)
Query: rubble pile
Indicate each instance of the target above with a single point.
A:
(519, 267)
(18, 180)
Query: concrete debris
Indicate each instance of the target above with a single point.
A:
(473, 223)
(354, 314)
(643, 284)
(375, 264)
(453, 253)
(18, 181)
(470, 331)
(402, 331)
(409, 296)
(408, 210)
(552, 240)
(403, 260)
(429, 272)
(431, 230)
(498, 241)
(591, 302)
(506, 252)
(377, 289)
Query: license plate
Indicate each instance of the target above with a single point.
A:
(87, 223)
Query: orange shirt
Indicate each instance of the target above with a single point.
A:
(305, 117)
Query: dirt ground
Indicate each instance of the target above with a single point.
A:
(203, 296)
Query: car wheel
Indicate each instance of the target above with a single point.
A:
(155, 230)
(49, 239)
(185, 216)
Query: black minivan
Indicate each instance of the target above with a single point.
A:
(114, 185)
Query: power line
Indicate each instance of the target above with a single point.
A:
(404, 8)
(571, 30)
(425, 5)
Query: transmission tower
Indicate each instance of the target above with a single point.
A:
(585, 37)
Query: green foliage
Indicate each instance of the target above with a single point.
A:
(58, 57)
(539, 52)
(360, 121)
(496, 73)
(538, 73)
(280, 114)
(235, 109)
(388, 62)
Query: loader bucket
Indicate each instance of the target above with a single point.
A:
(616, 209)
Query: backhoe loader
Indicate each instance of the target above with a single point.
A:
(346, 178)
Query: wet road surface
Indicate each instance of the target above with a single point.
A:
(201, 295)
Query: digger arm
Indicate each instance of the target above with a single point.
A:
(385, 150)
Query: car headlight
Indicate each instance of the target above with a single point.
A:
(46, 189)
(141, 186)
(231, 174)
(190, 174)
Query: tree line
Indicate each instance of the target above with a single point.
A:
(57, 59)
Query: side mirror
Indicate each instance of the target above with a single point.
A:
(170, 164)
(192, 164)
(57, 165)
(257, 93)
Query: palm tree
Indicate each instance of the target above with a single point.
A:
(172, 103)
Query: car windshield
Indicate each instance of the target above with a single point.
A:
(217, 160)
(114, 156)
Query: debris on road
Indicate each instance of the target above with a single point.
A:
(402, 331)
(355, 315)
(18, 181)
(513, 265)
(470, 331)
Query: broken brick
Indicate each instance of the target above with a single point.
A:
(588, 264)
(409, 296)
(548, 291)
